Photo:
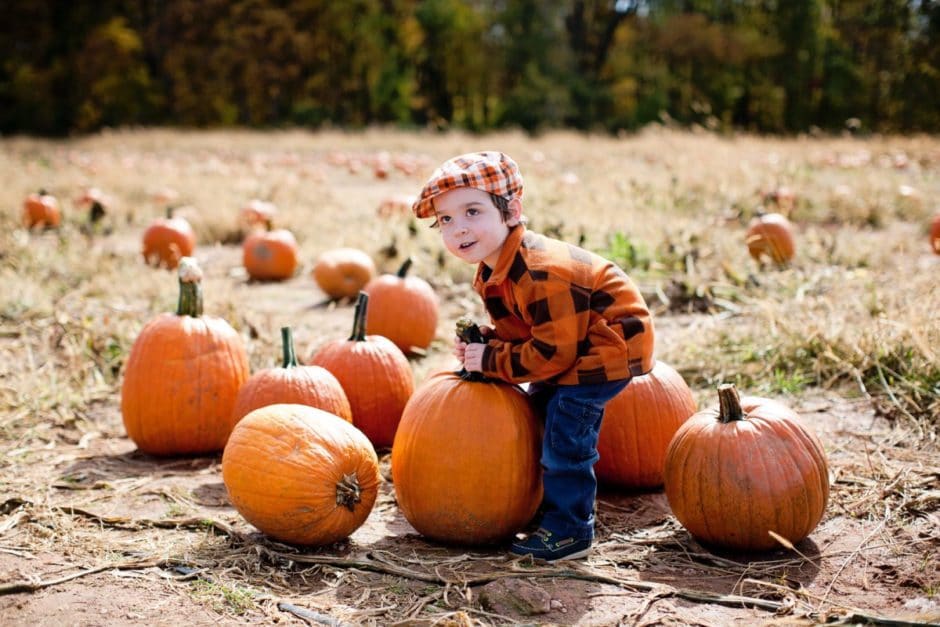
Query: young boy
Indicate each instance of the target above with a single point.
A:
(566, 320)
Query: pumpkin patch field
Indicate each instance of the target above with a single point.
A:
(200, 422)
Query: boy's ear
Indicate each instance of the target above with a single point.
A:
(515, 212)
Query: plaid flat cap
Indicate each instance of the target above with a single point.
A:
(490, 171)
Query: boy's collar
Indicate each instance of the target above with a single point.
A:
(506, 255)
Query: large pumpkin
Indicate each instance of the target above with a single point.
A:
(167, 240)
(770, 235)
(465, 461)
(403, 309)
(737, 472)
(41, 210)
(375, 375)
(935, 234)
(638, 424)
(300, 474)
(270, 255)
(343, 272)
(292, 383)
(182, 377)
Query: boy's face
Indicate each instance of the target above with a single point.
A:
(472, 226)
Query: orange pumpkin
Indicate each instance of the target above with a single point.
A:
(465, 462)
(270, 255)
(375, 375)
(300, 474)
(292, 383)
(343, 272)
(770, 235)
(256, 214)
(167, 240)
(935, 234)
(41, 210)
(748, 467)
(182, 377)
(638, 426)
(389, 296)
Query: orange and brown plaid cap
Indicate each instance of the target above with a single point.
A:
(490, 171)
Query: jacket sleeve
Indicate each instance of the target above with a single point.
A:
(558, 317)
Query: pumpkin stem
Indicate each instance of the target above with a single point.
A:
(405, 266)
(287, 341)
(169, 212)
(190, 278)
(359, 318)
(729, 404)
(469, 332)
(348, 493)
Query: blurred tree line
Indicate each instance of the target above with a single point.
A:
(773, 66)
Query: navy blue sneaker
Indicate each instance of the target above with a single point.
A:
(542, 544)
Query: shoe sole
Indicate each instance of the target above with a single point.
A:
(571, 556)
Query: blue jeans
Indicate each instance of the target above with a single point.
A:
(573, 415)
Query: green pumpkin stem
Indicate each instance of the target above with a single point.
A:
(729, 404)
(405, 266)
(287, 341)
(190, 280)
(469, 332)
(348, 493)
(359, 318)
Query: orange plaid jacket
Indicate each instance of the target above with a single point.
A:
(562, 315)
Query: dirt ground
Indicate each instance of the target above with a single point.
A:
(155, 541)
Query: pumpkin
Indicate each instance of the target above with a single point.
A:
(638, 424)
(770, 235)
(300, 474)
(167, 240)
(256, 214)
(41, 210)
(465, 462)
(182, 376)
(343, 272)
(292, 383)
(375, 375)
(403, 309)
(935, 234)
(270, 255)
(749, 467)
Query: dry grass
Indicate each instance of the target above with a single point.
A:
(855, 315)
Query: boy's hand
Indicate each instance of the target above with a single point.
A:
(473, 357)
(460, 348)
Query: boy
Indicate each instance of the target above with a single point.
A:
(566, 320)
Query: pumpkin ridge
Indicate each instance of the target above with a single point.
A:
(815, 463)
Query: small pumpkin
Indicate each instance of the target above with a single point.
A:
(182, 376)
(770, 235)
(375, 375)
(392, 294)
(638, 425)
(256, 214)
(292, 383)
(343, 272)
(41, 210)
(167, 240)
(746, 468)
(935, 234)
(465, 462)
(270, 255)
(300, 474)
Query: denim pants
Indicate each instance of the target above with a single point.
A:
(573, 416)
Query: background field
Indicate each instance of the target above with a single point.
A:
(847, 335)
